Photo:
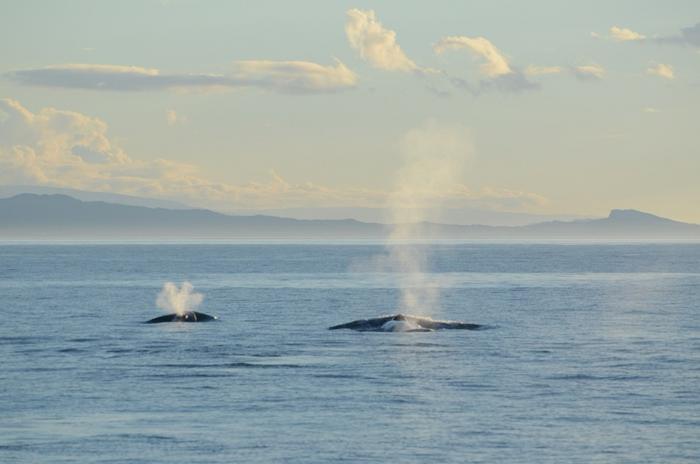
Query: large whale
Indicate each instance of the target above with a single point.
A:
(404, 323)
(189, 316)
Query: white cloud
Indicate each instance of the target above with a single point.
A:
(57, 134)
(533, 70)
(106, 69)
(688, 36)
(661, 70)
(294, 76)
(67, 149)
(281, 76)
(375, 43)
(498, 73)
(650, 109)
(495, 64)
(589, 71)
(620, 34)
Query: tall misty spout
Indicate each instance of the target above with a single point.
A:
(433, 159)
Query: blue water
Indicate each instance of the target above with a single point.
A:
(593, 355)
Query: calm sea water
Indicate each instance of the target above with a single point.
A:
(593, 356)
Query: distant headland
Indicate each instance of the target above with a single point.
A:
(57, 216)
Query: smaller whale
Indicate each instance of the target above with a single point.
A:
(404, 323)
(189, 316)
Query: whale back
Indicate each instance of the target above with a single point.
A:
(404, 323)
(190, 316)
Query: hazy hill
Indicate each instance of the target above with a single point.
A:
(460, 216)
(7, 191)
(463, 216)
(36, 216)
(61, 216)
(620, 223)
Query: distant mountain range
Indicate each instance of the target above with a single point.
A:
(7, 191)
(34, 216)
(463, 216)
(458, 216)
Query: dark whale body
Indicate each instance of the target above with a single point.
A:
(412, 324)
(190, 316)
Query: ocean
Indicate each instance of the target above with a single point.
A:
(591, 355)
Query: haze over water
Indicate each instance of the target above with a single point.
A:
(593, 355)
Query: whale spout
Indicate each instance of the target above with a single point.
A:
(189, 316)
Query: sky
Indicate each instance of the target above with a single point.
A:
(546, 107)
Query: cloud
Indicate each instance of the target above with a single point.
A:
(661, 70)
(375, 43)
(498, 73)
(67, 149)
(513, 83)
(294, 76)
(495, 63)
(689, 36)
(624, 35)
(588, 72)
(110, 77)
(57, 133)
(508, 83)
(620, 34)
(39, 147)
(533, 70)
(650, 109)
(280, 76)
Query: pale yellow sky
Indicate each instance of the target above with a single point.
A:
(540, 108)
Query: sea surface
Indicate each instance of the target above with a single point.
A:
(592, 355)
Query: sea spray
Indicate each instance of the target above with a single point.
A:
(179, 300)
(433, 160)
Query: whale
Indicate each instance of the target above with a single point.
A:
(404, 323)
(189, 316)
